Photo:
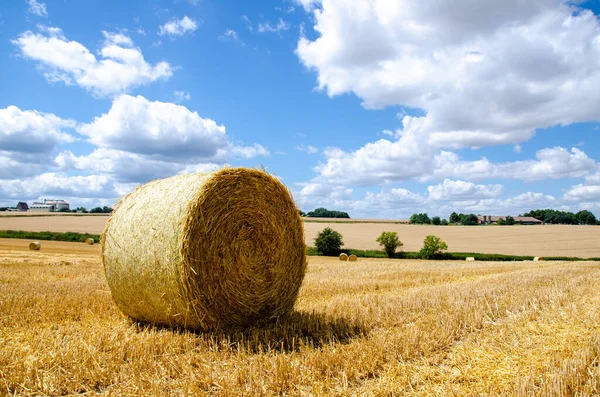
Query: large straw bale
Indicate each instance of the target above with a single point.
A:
(343, 257)
(352, 258)
(89, 241)
(35, 246)
(470, 259)
(206, 251)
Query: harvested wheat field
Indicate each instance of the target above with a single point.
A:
(93, 224)
(372, 327)
(546, 240)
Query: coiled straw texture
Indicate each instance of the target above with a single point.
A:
(206, 251)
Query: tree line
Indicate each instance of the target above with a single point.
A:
(556, 217)
(547, 216)
(324, 213)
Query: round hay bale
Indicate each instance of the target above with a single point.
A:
(352, 258)
(35, 246)
(537, 259)
(470, 259)
(206, 251)
(89, 241)
(343, 257)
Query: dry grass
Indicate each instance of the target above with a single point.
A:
(547, 240)
(373, 327)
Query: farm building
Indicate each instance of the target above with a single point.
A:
(492, 220)
(22, 206)
(49, 206)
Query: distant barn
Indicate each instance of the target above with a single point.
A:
(50, 206)
(22, 206)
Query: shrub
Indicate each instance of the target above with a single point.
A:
(328, 242)
(432, 246)
(436, 220)
(389, 241)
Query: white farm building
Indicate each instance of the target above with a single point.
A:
(49, 206)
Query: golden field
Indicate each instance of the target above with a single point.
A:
(546, 240)
(373, 327)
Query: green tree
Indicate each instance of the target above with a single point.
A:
(554, 217)
(432, 246)
(328, 242)
(444, 222)
(454, 218)
(419, 219)
(436, 220)
(468, 219)
(107, 210)
(585, 217)
(510, 220)
(96, 210)
(389, 241)
(501, 222)
(302, 213)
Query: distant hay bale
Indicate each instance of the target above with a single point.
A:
(35, 246)
(470, 259)
(206, 251)
(537, 259)
(343, 257)
(89, 241)
(352, 258)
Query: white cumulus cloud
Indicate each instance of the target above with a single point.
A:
(267, 27)
(27, 140)
(307, 149)
(138, 125)
(485, 72)
(37, 8)
(229, 34)
(58, 185)
(460, 190)
(178, 27)
(138, 140)
(120, 68)
(182, 95)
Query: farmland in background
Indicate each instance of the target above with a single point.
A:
(546, 240)
(374, 327)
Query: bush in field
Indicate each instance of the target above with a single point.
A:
(328, 242)
(436, 220)
(432, 246)
(389, 241)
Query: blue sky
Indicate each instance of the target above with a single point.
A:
(377, 108)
